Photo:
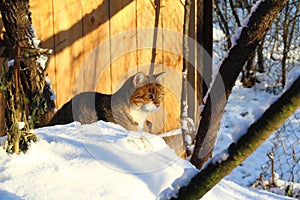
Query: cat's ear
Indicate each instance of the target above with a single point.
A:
(158, 77)
(139, 79)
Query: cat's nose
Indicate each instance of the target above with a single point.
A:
(157, 105)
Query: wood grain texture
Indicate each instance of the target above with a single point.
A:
(95, 67)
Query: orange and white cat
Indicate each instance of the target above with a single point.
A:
(129, 106)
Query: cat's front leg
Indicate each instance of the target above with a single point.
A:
(123, 118)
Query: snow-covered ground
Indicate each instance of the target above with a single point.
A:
(96, 161)
(229, 190)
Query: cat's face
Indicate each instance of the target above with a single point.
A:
(147, 97)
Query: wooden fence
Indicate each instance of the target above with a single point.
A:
(82, 35)
(98, 44)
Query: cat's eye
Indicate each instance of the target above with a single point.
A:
(150, 96)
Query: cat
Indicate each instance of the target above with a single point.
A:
(129, 106)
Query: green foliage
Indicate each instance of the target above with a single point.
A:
(22, 85)
(20, 107)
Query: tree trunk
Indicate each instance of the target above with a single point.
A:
(285, 45)
(260, 57)
(289, 25)
(27, 100)
(2, 114)
(259, 23)
(205, 39)
(257, 133)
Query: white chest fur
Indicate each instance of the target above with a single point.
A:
(138, 116)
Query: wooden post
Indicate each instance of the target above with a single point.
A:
(205, 39)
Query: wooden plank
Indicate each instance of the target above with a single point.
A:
(173, 22)
(122, 42)
(172, 59)
(173, 15)
(42, 17)
(95, 67)
(172, 25)
(67, 22)
(146, 16)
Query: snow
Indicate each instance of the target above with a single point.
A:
(21, 125)
(48, 82)
(96, 161)
(253, 9)
(236, 36)
(245, 22)
(229, 190)
(10, 63)
(42, 60)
